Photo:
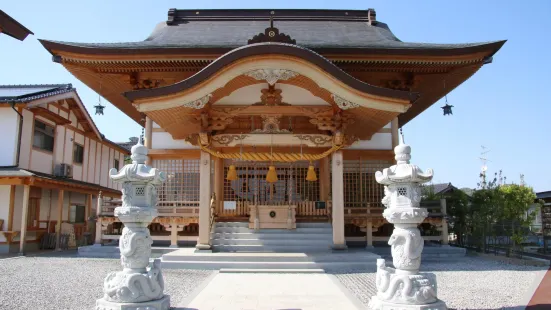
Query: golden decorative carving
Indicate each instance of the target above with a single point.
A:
(316, 139)
(270, 124)
(227, 139)
(271, 76)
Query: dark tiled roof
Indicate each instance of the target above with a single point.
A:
(543, 195)
(233, 28)
(13, 28)
(440, 188)
(27, 93)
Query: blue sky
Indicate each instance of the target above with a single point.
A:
(504, 106)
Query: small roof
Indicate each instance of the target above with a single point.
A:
(28, 93)
(314, 29)
(440, 188)
(543, 195)
(13, 28)
(26, 173)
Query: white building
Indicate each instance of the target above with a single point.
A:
(53, 164)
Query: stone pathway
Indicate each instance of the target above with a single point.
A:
(541, 299)
(240, 291)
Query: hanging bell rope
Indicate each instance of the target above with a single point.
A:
(232, 172)
(273, 157)
(271, 176)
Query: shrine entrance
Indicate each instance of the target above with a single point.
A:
(292, 197)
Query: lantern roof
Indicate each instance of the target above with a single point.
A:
(138, 171)
(403, 171)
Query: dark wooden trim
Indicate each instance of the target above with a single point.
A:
(13, 28)
(53, 47)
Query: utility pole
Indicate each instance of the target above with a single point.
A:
(484, 167)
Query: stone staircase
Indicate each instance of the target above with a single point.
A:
(236, 248)
(318, 262)
(237, 237)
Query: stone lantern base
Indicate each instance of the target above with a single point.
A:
(159, 304)
(376, 304)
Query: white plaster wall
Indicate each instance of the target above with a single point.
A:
(163, 140)
(9, 127)
(53, 108)
(41, 161)
(85, 161)
(26, 139)
(389, 125)
(68, 147)
(97, 167)
(4, 208)
(379, 141)
(91, 162)
(77, 172)
(73, 120)
(104, 166)
(58, 148)
(155, 125)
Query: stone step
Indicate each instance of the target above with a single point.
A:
(270, 236)
(246, 224)
(235, 270)
(314, 225)
(298, 241)
(217, 265)
(231, 224)
(272, 248)
(189, 254)
(273, 231)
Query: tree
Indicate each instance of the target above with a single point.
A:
(485, 211)
(457, 210)
(517, 200)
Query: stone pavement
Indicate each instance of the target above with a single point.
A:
(263, 291)
(541, 299)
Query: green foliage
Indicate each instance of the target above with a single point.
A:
(493, 210)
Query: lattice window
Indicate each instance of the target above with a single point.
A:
(402, 191)
(182, 185)
(140, 191)
(360, 187)
(251, 184)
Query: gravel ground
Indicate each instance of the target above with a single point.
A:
(68, 282)
(472, 283)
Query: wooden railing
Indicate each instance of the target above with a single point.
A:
(304, 209)
(191, 209)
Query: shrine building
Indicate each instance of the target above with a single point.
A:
(279, 117)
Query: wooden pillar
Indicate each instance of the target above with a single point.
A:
(24, 216)
(148, 132)
(324, 179)
(87, 211)
(219, 183)
(339, 242)
(204, 202)
(98, 220)
(394, 130)
(369, 235)
(148, 143)
(445, 234)
(11, 207)
(59, 219)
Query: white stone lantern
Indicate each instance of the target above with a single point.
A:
(403, 287)
(139, 285)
